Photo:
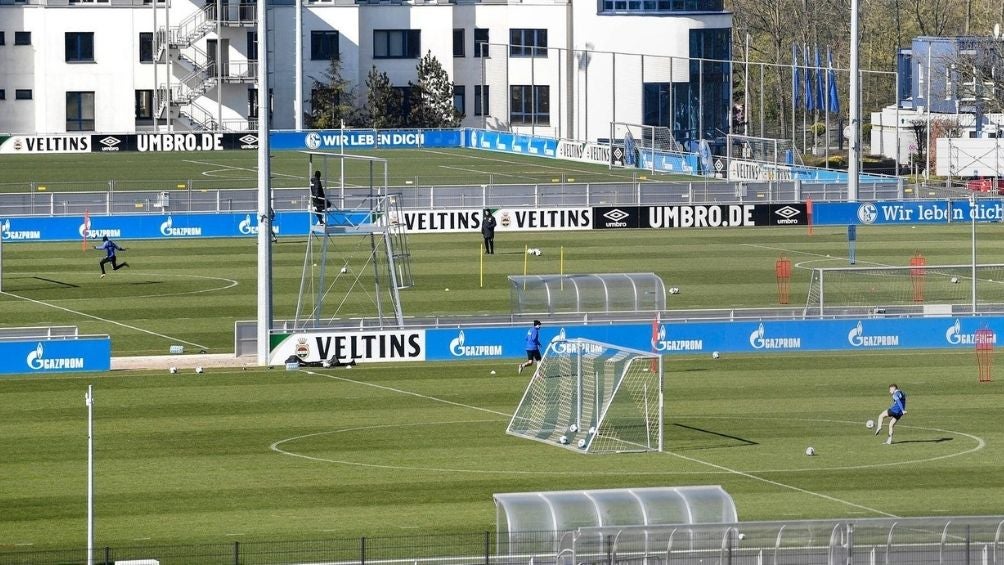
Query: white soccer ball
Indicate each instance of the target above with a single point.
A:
(493, 371)
(582, 443)
(810, 451)
(674, 290)
(173, 370)
(563, 440)
(715, 355)
(870, 424)
(345, 270)
(955, 280)
(592, 431)
(198, 370)
(573, 428)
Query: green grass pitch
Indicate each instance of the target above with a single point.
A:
(392, 449)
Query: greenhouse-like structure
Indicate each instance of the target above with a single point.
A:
(599, 292)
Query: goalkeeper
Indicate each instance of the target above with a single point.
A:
(894, 413)
(532, 347)
(109, 247)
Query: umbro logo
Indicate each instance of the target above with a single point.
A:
(616, 215)
(248, 139)
(787, 212)
(110, 141)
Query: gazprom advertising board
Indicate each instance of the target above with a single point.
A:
(55, 356)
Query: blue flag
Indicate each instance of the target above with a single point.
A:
(794, 74)
(807, 80)
(820, 101)
(834, 101)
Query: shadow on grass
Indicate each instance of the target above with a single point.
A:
(703, 439)
(938, 440)
(53, 281)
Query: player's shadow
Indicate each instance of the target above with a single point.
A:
(936, 440)
(60, 284)
(694, 438)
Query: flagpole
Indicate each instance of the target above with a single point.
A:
(746, 89)
(855, 111)
(826, 109)
(89, 400)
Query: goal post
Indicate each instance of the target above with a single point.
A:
(593, 397)
(629, 141)
(910, 288)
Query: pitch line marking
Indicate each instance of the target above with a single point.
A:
(980, 444)
(224, 167)
(105, 320)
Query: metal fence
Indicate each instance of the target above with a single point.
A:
(913, 541)
(190, 198)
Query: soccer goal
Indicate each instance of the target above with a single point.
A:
(593, 397)
(629, 141)
(906, 288)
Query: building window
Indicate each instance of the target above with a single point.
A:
(481, 93)
(397, 43)
(3, 94)
(22, 94)
(528, 42)
(323, 45)
(656, 6)
(79, 47)
(460, 99)
(144, 105)
(481, 43)
(458, 42)
(531, 105)
(252, 46)
(79, 111)
(145, 47)
(252, 103)
(3, 40)
(22, 38)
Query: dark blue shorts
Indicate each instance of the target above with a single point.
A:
(896, 415)
(533, 354)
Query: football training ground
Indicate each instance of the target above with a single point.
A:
(403, 449)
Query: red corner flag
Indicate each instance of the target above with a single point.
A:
(84, 233)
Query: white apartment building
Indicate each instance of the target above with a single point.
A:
(553, 67)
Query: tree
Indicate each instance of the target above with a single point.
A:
(383, 101)
(331, 100)
(432, 96)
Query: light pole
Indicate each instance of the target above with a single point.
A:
(89, 401)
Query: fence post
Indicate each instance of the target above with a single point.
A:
(362, 550)
(108, 555)
(237, 553)
(487, 546)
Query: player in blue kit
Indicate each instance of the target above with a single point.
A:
(532, 346)
(894, 413)
(109, 247)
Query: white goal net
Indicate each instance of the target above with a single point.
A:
(917, 288)
(629, 141)
(593, 397)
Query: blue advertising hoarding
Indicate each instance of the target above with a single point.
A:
(159, 226)
(84, 354)
(511, 143)
(724, 337)
(327, 140)
(906, 212)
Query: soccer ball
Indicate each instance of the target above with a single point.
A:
(810, 451)
(870, 424)
(198, 370)
(173, 370)
(573, 428)
(563, 440)
(674, 290)
(592, 431)
(582, 443)
(345, 270)
(955, 280)
(715, 355)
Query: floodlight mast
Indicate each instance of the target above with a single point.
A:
(264, 194)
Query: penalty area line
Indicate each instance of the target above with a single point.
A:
(408, 392)
(783, 485)
(106, 320)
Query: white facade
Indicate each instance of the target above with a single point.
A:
(585, 84)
